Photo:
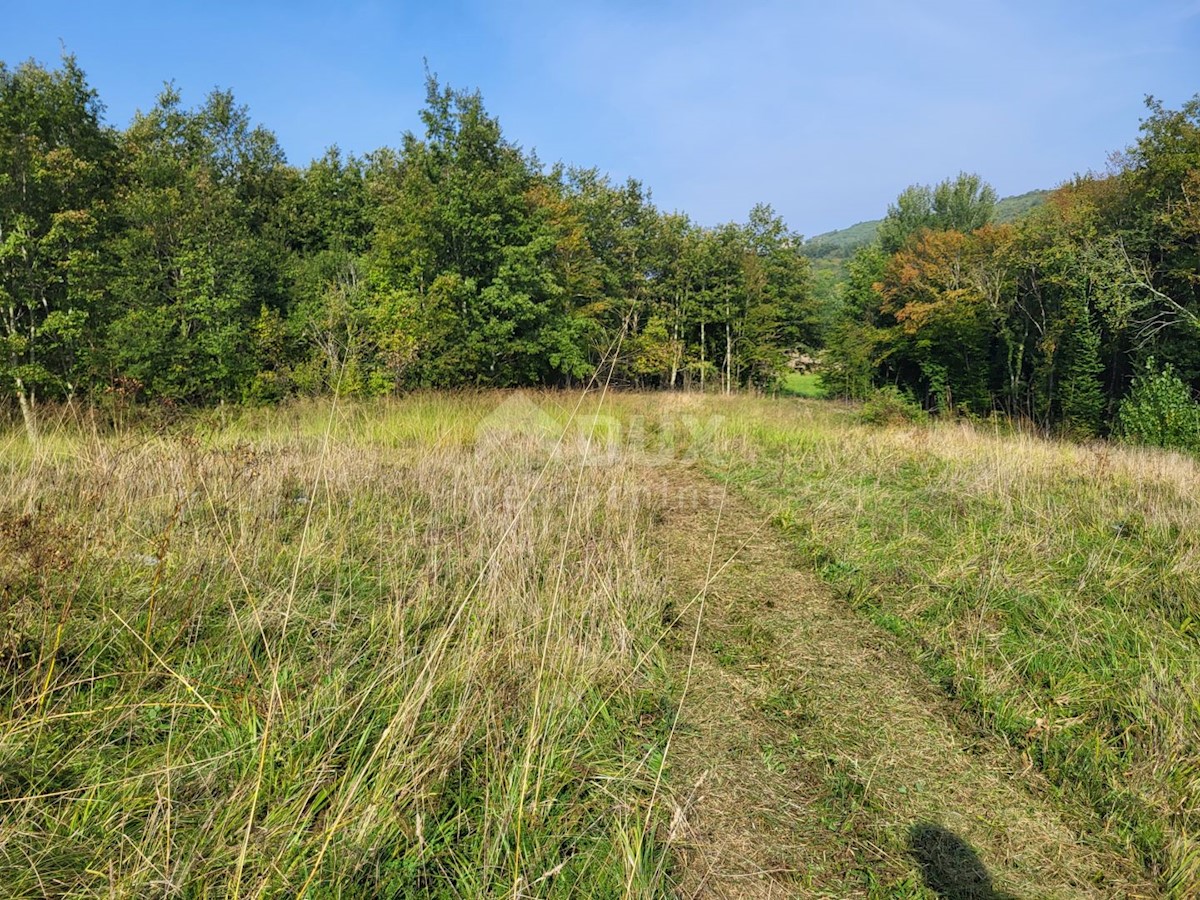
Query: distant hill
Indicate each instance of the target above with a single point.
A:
(844, 241)
(1012, 208)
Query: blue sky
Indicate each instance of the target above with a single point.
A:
(825, 110)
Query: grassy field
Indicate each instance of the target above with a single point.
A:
(807, 385)
(1053, 590)
(326, 652)
(456, 646)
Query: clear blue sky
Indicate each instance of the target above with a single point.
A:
(825, 110)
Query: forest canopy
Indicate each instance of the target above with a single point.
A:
(183, 260)
(1053, 318)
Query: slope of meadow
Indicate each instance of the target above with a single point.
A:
(488, 645)
(337, 651)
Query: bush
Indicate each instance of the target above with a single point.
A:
(890, 406)
(1160, 410)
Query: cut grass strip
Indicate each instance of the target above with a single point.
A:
(1052, 589)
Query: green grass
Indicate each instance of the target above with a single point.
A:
(356, 650)
(331, 652)
(1053, 590)
(807, 385)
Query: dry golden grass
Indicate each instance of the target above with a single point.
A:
(817, 760)
(425, 648)
(335, 650)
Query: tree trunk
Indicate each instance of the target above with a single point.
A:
(728, 360)
(675, 352)
(25, 401)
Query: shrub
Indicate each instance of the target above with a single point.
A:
(890, 406)
(1160, 410)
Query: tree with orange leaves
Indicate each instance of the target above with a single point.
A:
(950, 294)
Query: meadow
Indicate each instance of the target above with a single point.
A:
(477, 645)
(325, 651)
(1051, 589)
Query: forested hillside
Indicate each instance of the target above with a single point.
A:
(842, 242)
(1053, 318)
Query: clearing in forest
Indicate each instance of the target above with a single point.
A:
(565, 644)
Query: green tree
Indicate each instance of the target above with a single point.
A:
(851, 360)
(465, 238)
(324, 218)
(788, 283)
(56, 162)
(943, 344)
(630, 253)
(1160, 410)
(196, 262)
(1154, 221)
(911, 213)
(1080, 398)
(963, 203)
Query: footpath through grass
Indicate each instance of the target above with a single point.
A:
(816, 759)
(1053, 590)
(426, 648)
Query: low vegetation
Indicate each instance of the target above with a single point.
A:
(1051, 588)
(425, 647)
(806, 384)
(326, 652)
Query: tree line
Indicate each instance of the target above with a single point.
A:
(1083, 316)
(183, 260)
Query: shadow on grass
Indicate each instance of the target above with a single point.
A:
(949, 865)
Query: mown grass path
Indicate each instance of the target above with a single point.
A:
(813, 757)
